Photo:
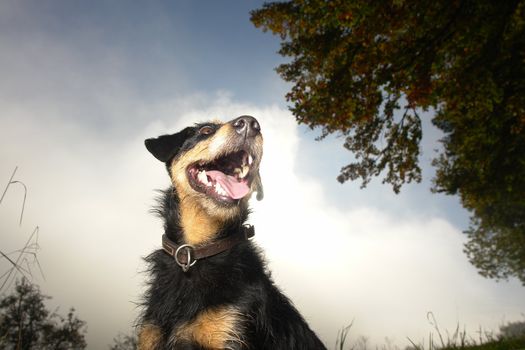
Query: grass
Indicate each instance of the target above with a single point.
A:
(499, 344)
(510, 337)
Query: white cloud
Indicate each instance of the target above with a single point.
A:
(90, 194)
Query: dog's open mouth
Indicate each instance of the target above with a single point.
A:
(227, 178)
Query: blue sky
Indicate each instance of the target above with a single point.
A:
(85, 82)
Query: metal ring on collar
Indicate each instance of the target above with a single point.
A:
(185, 265)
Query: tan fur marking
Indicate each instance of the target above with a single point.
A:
(178, 168)
(213, 329)
(198, 226)
(149, 337)
(221, 137)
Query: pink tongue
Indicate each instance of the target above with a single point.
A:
(234, 188)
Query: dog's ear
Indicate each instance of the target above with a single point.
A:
(259, 187)
(165, 147)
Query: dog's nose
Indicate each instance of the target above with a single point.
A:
(246, 125)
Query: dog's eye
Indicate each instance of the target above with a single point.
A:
(206, 130)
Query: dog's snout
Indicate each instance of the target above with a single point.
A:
(246, 125)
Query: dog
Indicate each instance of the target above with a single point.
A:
(209, 286)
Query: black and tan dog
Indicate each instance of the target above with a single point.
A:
(210, 288)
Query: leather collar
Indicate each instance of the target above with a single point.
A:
(186, 255)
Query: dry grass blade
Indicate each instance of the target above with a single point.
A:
(29, 249)
(432, 320)
(27, 255)
(416, 347)
(341, 336)
(11, 182)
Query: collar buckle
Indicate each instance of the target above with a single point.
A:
(188, 249)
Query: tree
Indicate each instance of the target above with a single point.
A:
(513, 330)
(25, 323)
(366, 69)
(125, 342)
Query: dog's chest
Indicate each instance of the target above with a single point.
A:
(213, 328)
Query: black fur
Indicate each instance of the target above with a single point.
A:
(235, 277)
(165, 147)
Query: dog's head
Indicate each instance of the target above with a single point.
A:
(214, 165)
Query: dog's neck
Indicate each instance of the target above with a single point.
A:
(198, 227)
(185, 222)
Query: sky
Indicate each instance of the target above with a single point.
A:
(83, 83)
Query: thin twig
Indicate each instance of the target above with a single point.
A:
(23, 202)
(18, 267)
(413, 344)
(20, 255)
(433, 322)
(22, 264)
(8, 183)
(11, 182)
(341, 336)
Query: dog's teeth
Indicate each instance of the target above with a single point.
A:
(219, 189)
(203, 177)
(250, 159)
(244, 171)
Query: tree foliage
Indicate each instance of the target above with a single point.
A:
(366, 69)
(25, 323)
(125, 342)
